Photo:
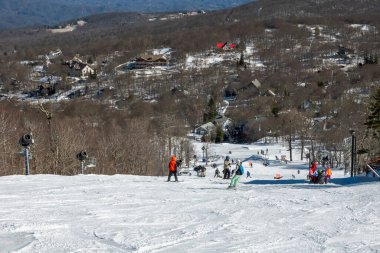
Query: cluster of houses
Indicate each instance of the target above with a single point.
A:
(254, 86)
(74, 68)
(80, 66)
(39, 67)
(209, 127)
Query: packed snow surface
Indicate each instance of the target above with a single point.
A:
(124, 213)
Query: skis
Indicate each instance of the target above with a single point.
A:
(231, 187)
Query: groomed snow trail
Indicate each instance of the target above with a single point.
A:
(145, 214)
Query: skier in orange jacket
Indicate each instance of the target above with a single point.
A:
(173, 168)
(328, 174)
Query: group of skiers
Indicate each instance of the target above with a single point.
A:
(174, 164)
(236, 173)
(319, 176)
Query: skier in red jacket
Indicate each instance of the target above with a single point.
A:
(173, 168)
(312, 173)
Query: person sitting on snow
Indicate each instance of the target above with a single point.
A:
(313, 177)
(217, 173)
(320, 177)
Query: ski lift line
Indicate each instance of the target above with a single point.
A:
(373, 171)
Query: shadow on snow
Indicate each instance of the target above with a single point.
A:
(335, 182)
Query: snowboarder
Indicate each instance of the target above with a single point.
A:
(173, 168)
(238, 173)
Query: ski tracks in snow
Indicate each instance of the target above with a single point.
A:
(143, 214)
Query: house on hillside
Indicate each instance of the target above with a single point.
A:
(223, 122)
(145, 61)
(255, 85)
(324, 124)
(225, 46)
(343, 51)
(53, 54)
(269, 93)
(87, 71)
(80, 67)
(75, 63)
(38, 71)
(329, 124)
(46, 89)
(344, 55)
(205, 129)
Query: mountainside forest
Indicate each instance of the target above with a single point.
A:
(19, 13)
(306, 71)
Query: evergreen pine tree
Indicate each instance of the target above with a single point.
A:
(219, 134)
(373, 119)
(317, 31)
(241, 61)
(211, 111)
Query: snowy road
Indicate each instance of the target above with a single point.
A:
(122, 213)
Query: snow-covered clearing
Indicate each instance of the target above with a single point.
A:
(124, 213)
(68, 28)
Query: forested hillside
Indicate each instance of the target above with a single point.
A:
(19, 13)
(306, 71)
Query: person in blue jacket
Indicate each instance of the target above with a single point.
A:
(238, 173)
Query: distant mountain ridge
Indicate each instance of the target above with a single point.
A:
(19, 13)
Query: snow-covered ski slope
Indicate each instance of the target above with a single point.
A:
(124, 213)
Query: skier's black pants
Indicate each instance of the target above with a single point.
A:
(227, 174)
(173, 173)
